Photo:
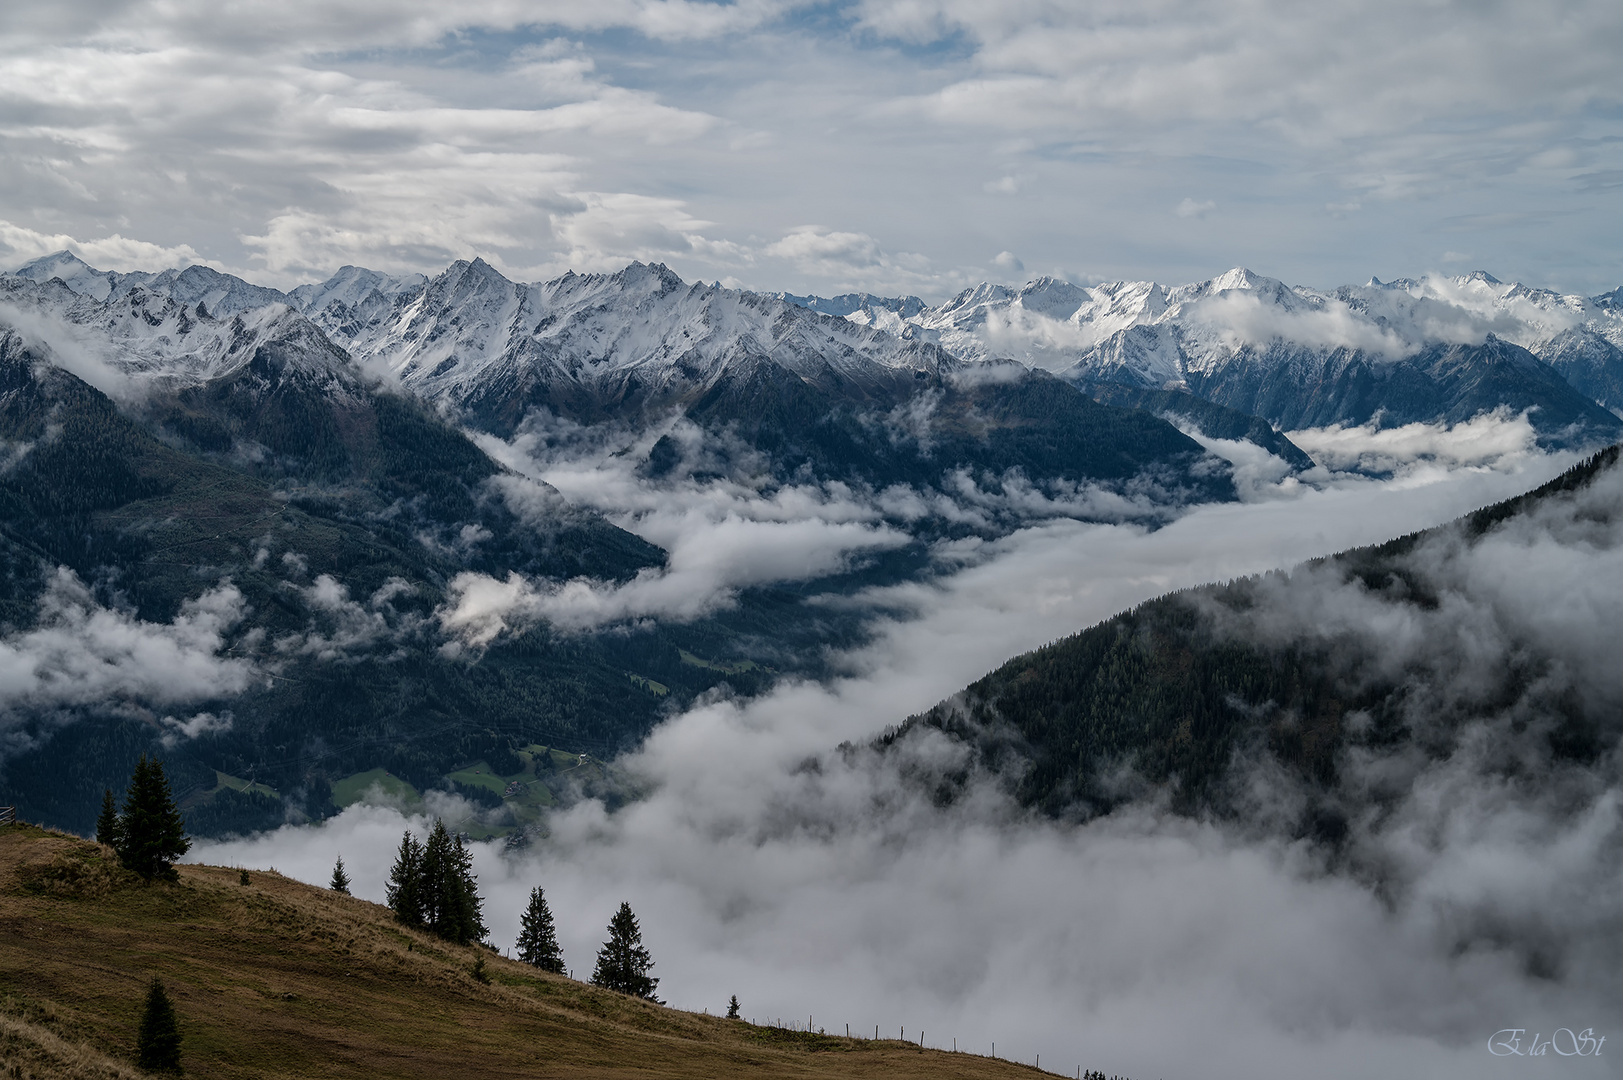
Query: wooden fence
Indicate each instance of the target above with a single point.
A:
(8, 815)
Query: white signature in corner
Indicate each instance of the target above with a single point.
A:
(1564, 1042)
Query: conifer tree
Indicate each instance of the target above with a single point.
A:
(537, 937)
(340, 880)
(151, 834)
(107, 820)
(432, 885)
(157, 1041)
(622, 963)
(464, 910)
(404, 891)
(434, 879)
(732, 1007)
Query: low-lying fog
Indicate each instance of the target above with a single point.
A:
(1140, 944)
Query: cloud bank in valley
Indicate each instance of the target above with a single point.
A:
(765, 863)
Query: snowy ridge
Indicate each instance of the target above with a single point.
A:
(1243, 327)
(641, 332)
(600, 344)
(1056, 325)
(143, 338)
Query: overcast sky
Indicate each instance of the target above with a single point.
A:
(915, 145)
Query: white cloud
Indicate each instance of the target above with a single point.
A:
(340, 628)
(113, 252)
(294, 141)
(1189, 208)
(1487, 441)
(1240, 318)
(73, 348)
(82, 653)
(1139, 944)
(852, 259)
(204, 723)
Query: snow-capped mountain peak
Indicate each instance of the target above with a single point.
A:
(72, 271)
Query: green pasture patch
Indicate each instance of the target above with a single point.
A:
(712, 665)
(350, 789)
(658, 689)
(247, 787)
(480, 775)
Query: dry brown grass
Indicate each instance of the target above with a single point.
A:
(278, 978)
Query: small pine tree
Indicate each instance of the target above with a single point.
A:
(622, 963)
(479, 972)
(107, 820)
(537, 937)
(340, 880)
(732, 1007)
(242, 875)
(404, 891)
(151, 834)
(157, 1042)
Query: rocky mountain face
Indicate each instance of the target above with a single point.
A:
(596, 345)
(848, 401)
(1434, 350)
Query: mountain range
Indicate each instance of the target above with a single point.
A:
(241, 525)
(1389, 352)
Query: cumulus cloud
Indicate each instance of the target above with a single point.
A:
(728, 525)
(709, 563)
(1035, 337)
(1488, 440)
(341, 628)
(766, 864)
(204, 723)
(113, 252)
(722, 534)
(294, 142)
(83, 653)
(854, 259)
(1239, 318)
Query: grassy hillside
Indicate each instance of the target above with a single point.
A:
(277, 978)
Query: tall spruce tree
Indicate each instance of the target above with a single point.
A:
(537, 937)
(434, 879)
(340, 880)
(404, 891)
(151, 834)
(432, 885)
(622, 963)
(107, 820)
(466, 923)
(157, 1040)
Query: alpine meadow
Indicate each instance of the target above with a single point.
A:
(767, 538)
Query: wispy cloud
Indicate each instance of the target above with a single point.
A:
(541, 136)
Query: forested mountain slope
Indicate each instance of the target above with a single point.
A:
(1307, 700)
